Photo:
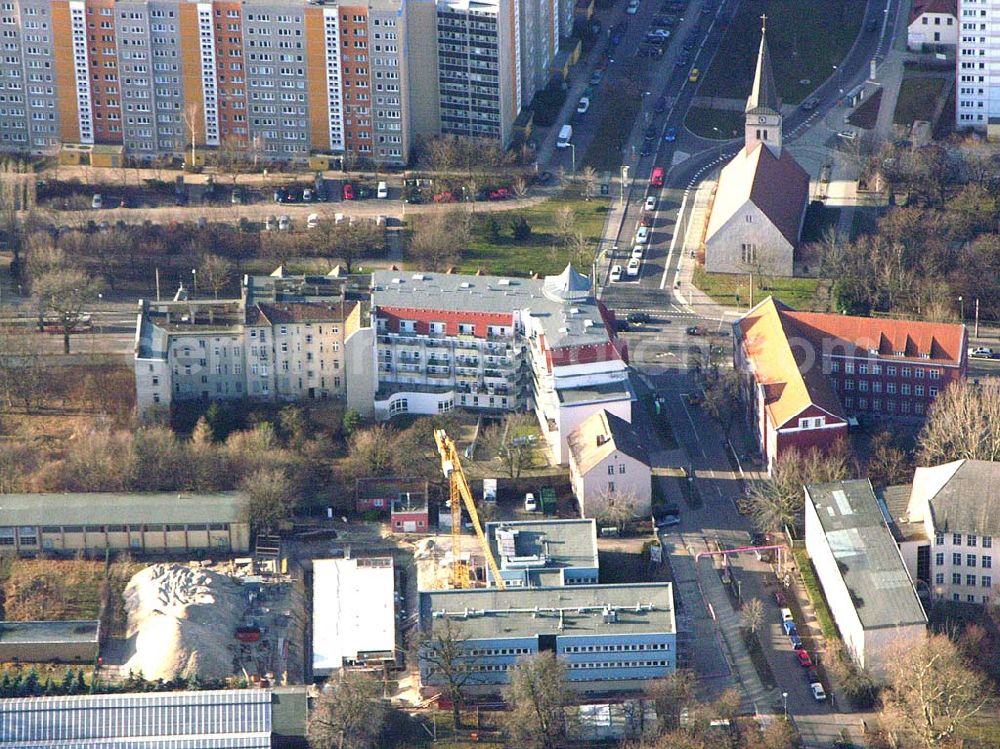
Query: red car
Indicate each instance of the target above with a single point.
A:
(647, 219)
(444, 197)
(779, 598)
(803, 657)
(501, 193)
(348, 191)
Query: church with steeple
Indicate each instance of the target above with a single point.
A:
(760, 202)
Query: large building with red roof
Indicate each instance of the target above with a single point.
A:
(806, 375)
(495, 344)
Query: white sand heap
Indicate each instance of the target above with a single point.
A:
(183, 620)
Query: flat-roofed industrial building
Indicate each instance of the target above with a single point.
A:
(49, 641)
(142, 522)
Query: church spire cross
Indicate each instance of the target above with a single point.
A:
(763, 23)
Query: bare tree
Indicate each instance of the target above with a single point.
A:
(778, 502)
(270, 497)
(215, 272)
(887, 463)
(502, 439)
(371, 452)
(22, 376)
(520, 188)
(932, 695)
(63, 296)
(439, 239)
(672, 695)
(537, 700)
(588, 177)
(722, 396)
(752, 615)
(443, 656)
(614, 507)
(963, 422)
(565, 224)
(348, 714)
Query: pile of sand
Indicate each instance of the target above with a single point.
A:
(182, 621)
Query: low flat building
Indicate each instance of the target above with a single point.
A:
(221, 719)
(544, 553)
(611, 637)
(354, 614)
(864, 579)
(142, 522)
(607, 461)
(410, 513)
(49, 642)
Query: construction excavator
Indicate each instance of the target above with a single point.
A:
(459, 493)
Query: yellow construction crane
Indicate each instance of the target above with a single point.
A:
(458, 488)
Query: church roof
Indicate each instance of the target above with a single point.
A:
(778, 186)
(763, 97)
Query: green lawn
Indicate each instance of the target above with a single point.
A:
(917, 100)
(806, 39)
(733, 290)
(718, 124)
(816, 595)
(543, 252)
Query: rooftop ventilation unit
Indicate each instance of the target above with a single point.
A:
(418, 277)
(466, 285)
(503, 282)
(397, 280)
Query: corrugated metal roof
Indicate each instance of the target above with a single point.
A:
(159, 720)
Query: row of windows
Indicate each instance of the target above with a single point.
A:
(890, 370)
(970, 580)
(905, 407)
(500, 651)
(890, 388)
(616, 648)
(619, 664)
(970, 560)
(970, 540)
(28, 535)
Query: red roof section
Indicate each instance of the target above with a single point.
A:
(939, 342)
(919, 7)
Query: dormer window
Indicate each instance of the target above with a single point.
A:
(898, 353)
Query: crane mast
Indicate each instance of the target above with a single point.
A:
(459, 492)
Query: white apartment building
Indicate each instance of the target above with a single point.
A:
(239, 348)
(497, 344)
(946, 522)
(977, 88)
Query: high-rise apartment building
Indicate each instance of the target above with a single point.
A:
(278, 79)
(977, 98)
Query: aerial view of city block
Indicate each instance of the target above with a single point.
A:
(528, 374)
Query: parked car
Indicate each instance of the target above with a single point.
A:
(632, 268)
(779, 598)
(383, 191)
(802, 656)
(640, 318)
(670, 135)
(308, 195)
(284, 223)
(795, 640)
(981, 352)
(312, 221)
(642, 235)
(695, 330)
(786, 615)
(269, 223)
(809, 104)
(848, 134)
(530, 503)
(348, 192)
(616, 273)
(650, 203)
(583, 105)
(694, 75)
(501, 193)
(669, 520)
(444, 197)
(97, 202)
(818, 692)
(633, 7)
(789, 626)
(621, 326)
(596, 77)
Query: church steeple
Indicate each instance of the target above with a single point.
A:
(763, 112)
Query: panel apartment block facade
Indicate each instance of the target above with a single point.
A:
(231, 350)
(977, 90)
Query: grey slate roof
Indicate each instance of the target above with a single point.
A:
(969, 502)
(565, 543)
(763, 97)
(866, 553)
(616, 435)
(563, 304)
(894, 502)
(641, 608)
(109, 508)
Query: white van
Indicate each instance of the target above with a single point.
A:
(530, 503)
(312, 221)
(383, 191)
(565, 136)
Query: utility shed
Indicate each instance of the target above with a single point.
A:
(354, 614)
(49, 641)
(864, 579)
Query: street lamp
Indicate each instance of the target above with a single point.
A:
(572, 150)
(784, 704)
(624, 180)
(194, 276)
(840, 79)
(961, 307)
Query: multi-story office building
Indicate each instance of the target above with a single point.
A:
(497, 344)
(242, 348)
(611, 637)
(806, 375)
(977, 90)
(277, 79)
